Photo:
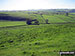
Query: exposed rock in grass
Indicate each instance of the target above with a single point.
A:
(10, 41)
(2, 46)
(24, 52)
(33, 54)
(29, 44)
(37, 43)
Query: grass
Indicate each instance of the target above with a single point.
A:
(19, 39)
(52, 18)
(37, 40)
(11, 23)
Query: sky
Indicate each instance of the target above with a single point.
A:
(36, 4)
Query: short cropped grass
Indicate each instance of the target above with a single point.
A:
(37, 40)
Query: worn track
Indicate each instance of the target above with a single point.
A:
(33, 26)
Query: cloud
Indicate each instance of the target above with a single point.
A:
(36, 4)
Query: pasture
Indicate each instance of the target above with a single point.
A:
(19, 39)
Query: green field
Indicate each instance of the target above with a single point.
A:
(19, 39)
(11, 23)
(53, 18)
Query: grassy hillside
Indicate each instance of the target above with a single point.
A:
(42, 40)
(52, 18)
(19, 39)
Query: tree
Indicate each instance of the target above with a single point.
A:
(46, 21)
(67, 13)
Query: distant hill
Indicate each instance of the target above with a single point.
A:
(60, 10)
(51, 10)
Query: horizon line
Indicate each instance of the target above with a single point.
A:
(36, 9)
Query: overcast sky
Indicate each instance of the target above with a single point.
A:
(36, 4)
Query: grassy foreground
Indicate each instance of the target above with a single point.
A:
(37, 40)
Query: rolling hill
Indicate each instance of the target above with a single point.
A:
(19, 39)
